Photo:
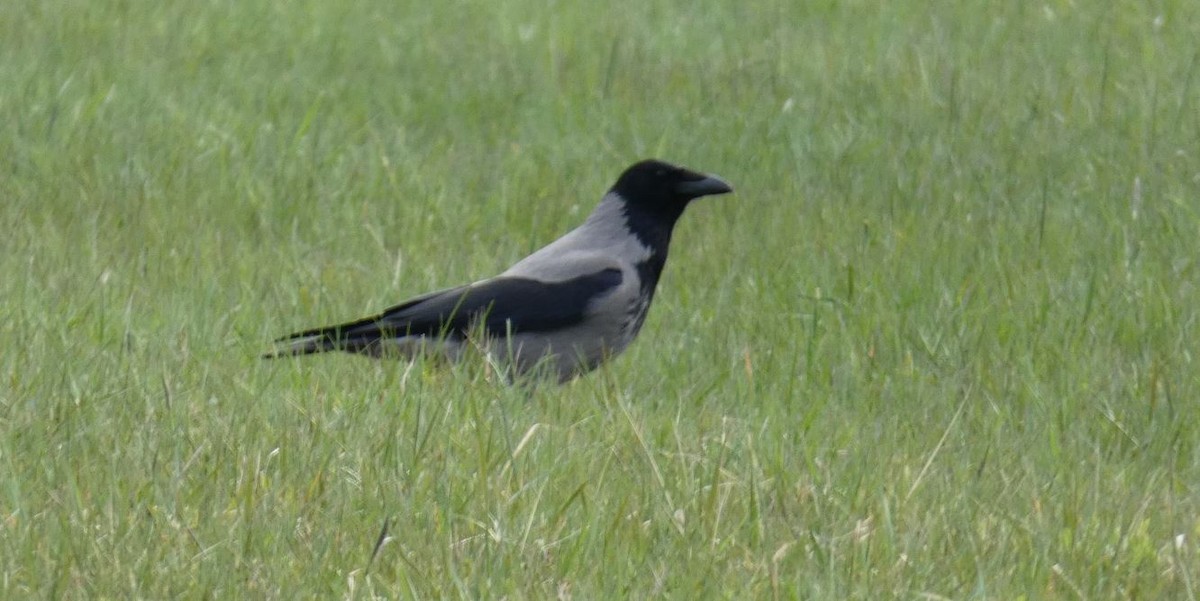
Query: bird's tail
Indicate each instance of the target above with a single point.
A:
(352, 337)
(300, 346)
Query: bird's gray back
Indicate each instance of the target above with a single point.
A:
(602, 240)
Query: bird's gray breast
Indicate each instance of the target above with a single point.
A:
(636, 311)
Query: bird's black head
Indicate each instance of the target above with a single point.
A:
(663, 189)
(654, 195)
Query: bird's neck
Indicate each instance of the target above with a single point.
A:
(651, 228)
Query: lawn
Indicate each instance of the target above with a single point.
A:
(940, 343)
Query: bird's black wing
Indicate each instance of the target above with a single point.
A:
(498, 306)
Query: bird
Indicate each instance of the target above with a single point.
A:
(561, 311)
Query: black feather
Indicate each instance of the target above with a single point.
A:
(499, 306)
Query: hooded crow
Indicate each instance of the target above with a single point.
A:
(565, 308)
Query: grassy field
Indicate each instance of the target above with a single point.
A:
(941, 343)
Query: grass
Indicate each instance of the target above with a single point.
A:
(940, 344)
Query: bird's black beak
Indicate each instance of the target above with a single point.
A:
(704, 185)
